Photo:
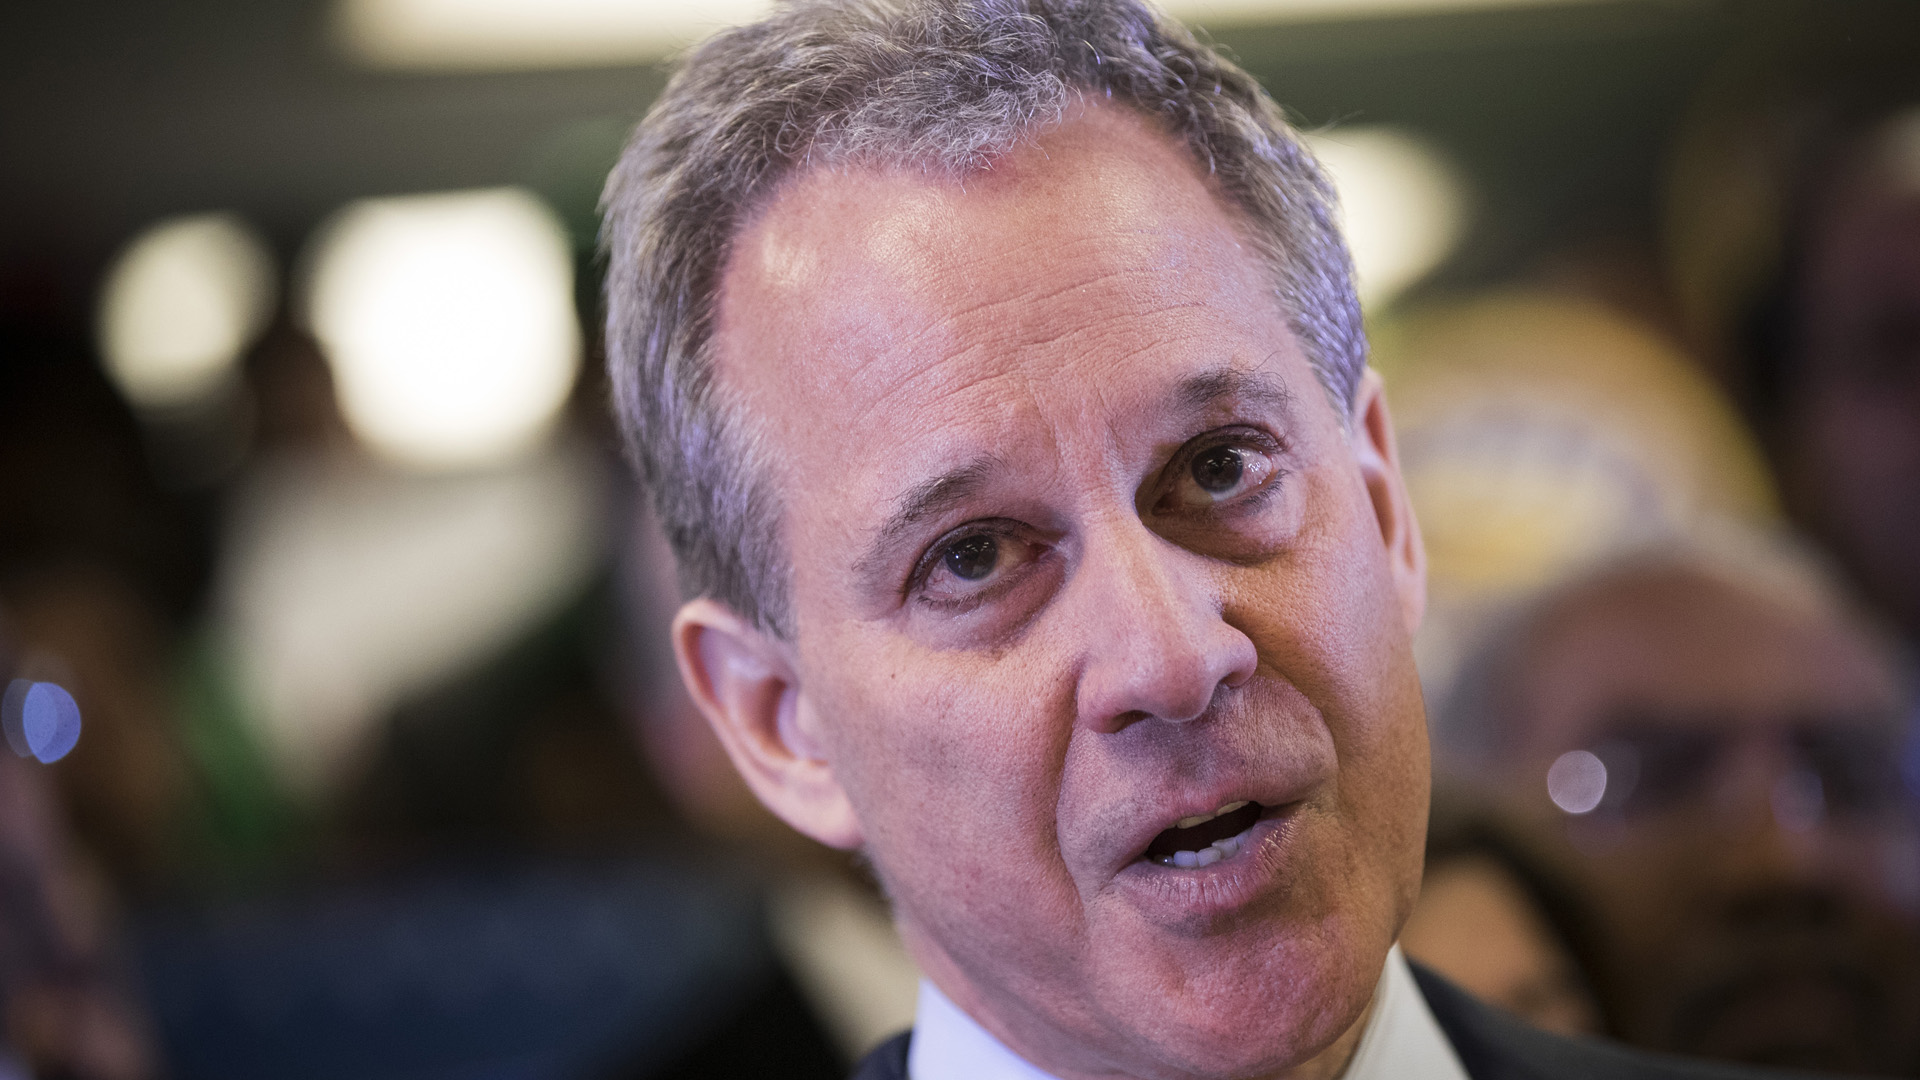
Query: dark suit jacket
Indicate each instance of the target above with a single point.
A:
(1491, 1044)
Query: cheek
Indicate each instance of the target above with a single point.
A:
(1325, 618)
(951, 759)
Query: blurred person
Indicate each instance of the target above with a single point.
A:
(63, 1010)
(1840, 379)
(1540, 431)
(1707, 739)
(99, 566)
(1794, 244)
(451, 856)
(127, 786)
(999, 379)
(1501, 926)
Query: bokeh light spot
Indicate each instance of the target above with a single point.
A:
(449, 323)
(181, 304)
(41, 720)
(496, 35)
(1577, 781)
(1403, 206)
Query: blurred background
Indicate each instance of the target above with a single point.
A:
(342, 735)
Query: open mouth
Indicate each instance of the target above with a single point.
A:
(1205, 839)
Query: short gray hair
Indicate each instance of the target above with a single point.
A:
(930, 85)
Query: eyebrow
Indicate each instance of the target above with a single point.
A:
(1209, 388)
(928, 499)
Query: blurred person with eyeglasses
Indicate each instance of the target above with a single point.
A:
(1709, 743)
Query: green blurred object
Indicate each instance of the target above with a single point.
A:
(243, 824)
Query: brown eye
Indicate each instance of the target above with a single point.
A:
(974, 558)
(1222, 474)
(1218, 470)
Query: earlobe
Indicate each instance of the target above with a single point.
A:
(1379, 459)
(743, 681)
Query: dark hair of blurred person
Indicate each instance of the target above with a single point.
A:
(1706, 740)
(1794, 229)
(1500, 924)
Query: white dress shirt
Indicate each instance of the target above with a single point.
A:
(1402, 1041)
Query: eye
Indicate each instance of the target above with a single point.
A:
(973, 558)
(1220, 473)
(973, 564)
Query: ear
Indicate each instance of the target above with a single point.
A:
(744, 682)
(1379, 462)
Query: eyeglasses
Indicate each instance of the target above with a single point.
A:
(1650, 763)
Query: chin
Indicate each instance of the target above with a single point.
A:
(1813, 1017)
(1248, 1008)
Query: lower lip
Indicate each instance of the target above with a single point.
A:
(1221, 889)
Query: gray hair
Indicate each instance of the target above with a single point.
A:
(938, 86)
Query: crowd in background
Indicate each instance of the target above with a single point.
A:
(1671, 502)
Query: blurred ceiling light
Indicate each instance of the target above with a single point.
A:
(1402, 206)
(478, 35)
(448, 321)
(1224, 12)
(181, 303)
(495, 35)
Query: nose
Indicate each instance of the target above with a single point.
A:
(1157, 645)
(1762, 783)
(1768, 814)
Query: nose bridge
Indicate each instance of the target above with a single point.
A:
(1157, 644)
(1764, 777)
(1770, 807)
(1743, 783)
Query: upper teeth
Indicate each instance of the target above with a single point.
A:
(1202, 819)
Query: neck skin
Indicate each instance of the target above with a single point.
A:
(1053, 1052)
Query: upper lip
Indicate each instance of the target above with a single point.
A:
(1132, 841)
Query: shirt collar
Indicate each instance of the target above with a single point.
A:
(948, 1044)
(1402, 1040)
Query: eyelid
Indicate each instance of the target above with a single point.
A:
(1233, 435)
(930, 559)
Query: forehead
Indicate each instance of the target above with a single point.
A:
(1104, 173)
(893, 259)
(1683, 641)
(1086, 272)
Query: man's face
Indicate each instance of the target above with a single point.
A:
(1079, 549)
(1753, 864)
